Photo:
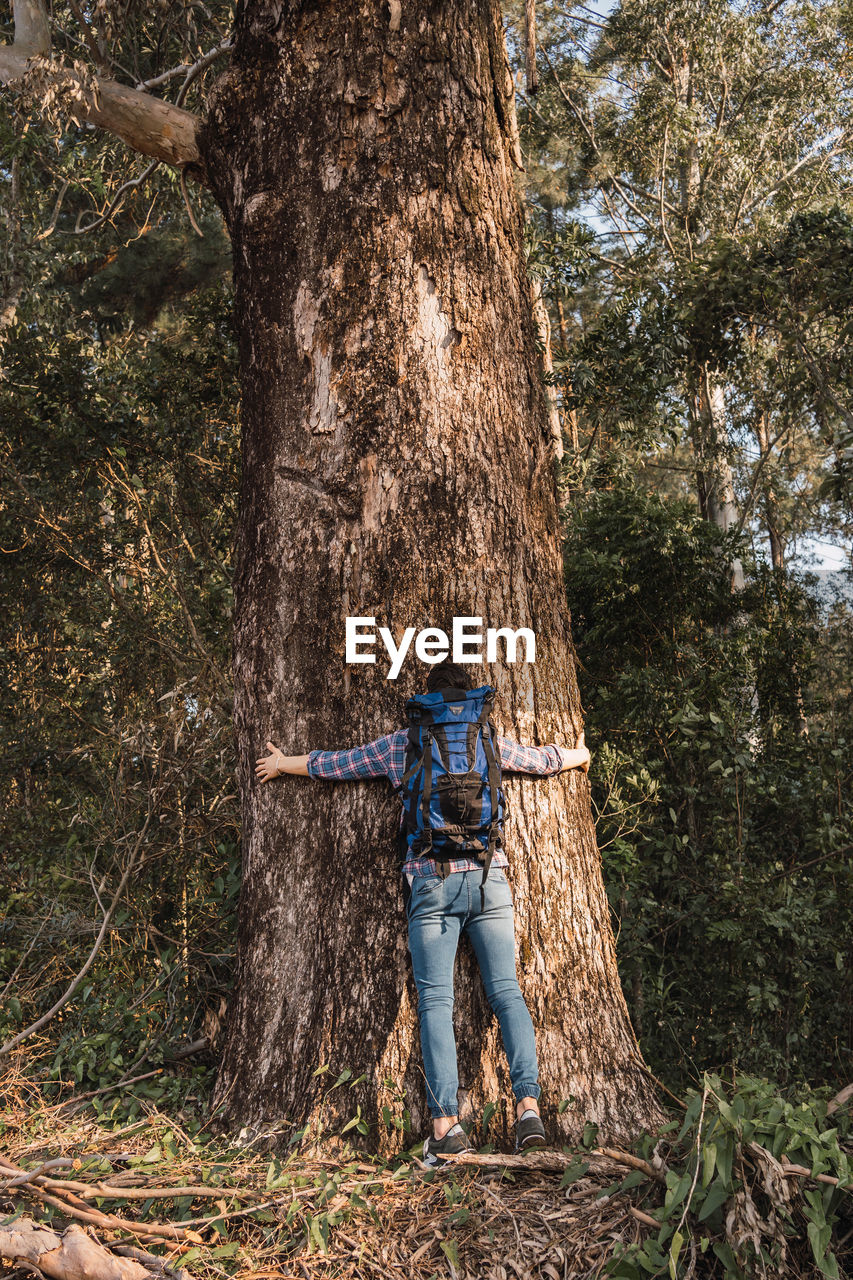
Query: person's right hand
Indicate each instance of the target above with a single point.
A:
(268, 766)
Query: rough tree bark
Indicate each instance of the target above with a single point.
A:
(397, 463)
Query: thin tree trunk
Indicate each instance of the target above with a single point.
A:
(571, 414)
(397, 463)
(714, 481)
(711, 447)
(530, 46)
(10, 270)
(543, 324)
(705, 396)
(771, 512)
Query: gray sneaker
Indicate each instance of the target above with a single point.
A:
(529, 1132)
(453, 1142)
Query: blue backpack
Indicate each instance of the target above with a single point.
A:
(453, 805)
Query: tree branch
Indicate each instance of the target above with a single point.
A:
(147, 124)
(813, 156)
(759, 467)
(117, 199)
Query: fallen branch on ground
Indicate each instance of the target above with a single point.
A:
(556, 1161)
(67, 1256)
(71, 1205)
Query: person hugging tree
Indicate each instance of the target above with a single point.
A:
(446, 768)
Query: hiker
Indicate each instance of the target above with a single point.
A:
(445, 766)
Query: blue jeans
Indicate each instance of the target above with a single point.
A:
(439, 910)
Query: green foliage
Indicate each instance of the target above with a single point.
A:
(704, 150)
(725, 831)
(726, 1193)
(561, 260)
(121, 464)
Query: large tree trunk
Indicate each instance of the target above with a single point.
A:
(397, 464)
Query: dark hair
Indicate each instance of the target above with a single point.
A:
(447, 675)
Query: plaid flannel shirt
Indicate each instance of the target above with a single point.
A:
(385, 758)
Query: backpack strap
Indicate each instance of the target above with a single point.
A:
(426, 794)
(471, 741)
(418, 755)
(402, 851)
(413, 754)
(494, 774)
(494, 788)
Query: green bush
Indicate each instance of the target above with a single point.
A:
(729, 1194)
(725, 831)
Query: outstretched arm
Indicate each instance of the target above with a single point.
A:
(542, 762)
(382, 758)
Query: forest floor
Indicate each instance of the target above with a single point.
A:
(86, 1196)
(184, 1205)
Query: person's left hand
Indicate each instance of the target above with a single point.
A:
(268, 766)
(580, 745)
